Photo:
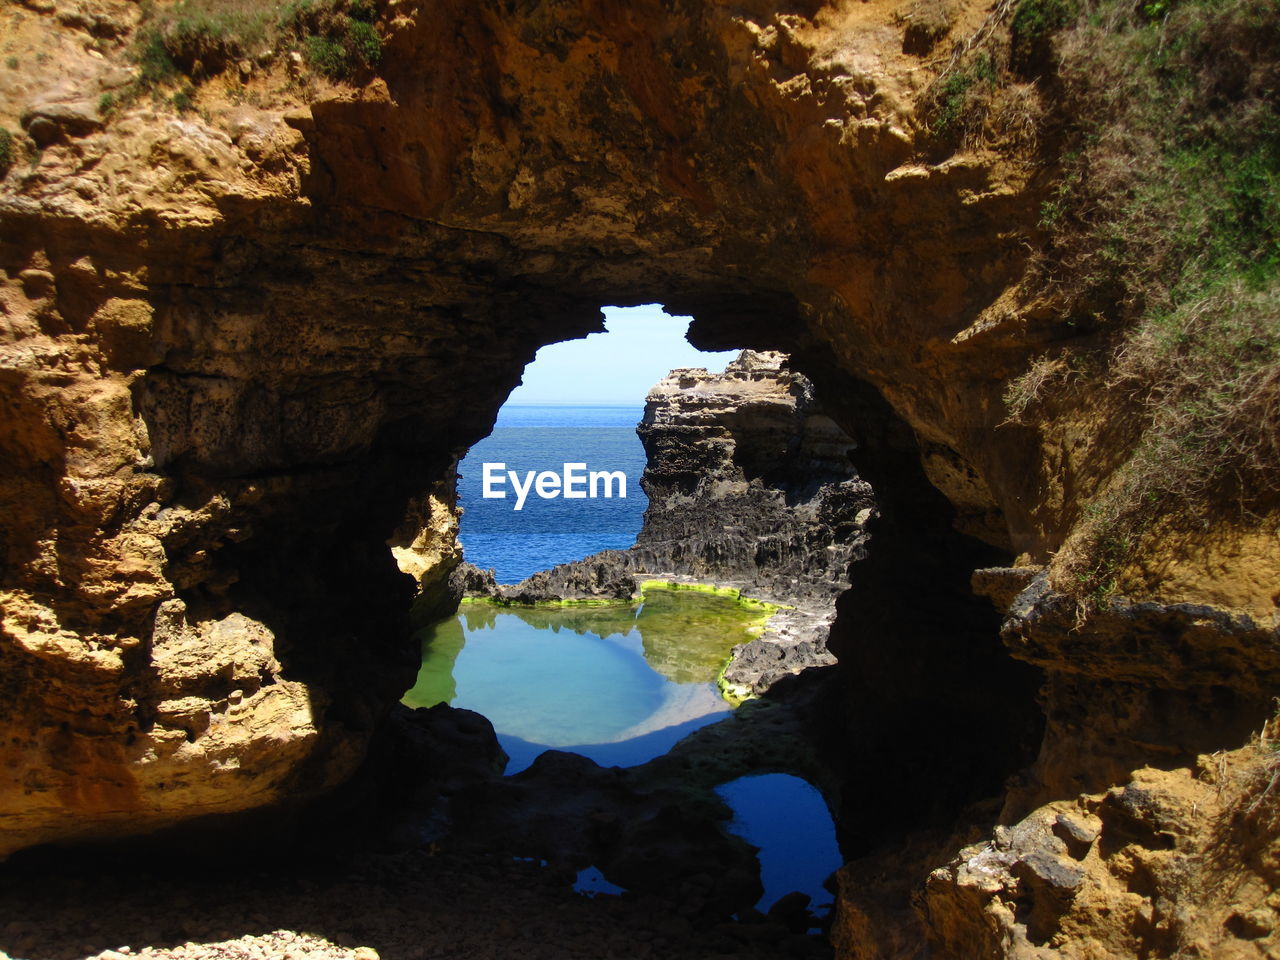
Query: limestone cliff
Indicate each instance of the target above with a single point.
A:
(750, 482)
(247, 328)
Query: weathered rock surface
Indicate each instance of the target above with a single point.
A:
(1179, 862)
(240, 346)
(1148, 681)
(750, 487)
(1112, 842)
(749, 480)
(368, 907)
(607, 575)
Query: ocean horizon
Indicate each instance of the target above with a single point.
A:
(544, 532)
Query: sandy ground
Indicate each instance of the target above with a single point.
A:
(268, 904)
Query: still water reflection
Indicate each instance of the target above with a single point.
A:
(619, 683)
(786, 818)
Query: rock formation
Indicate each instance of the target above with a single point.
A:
(607, 575)
(750, 483)
(243, 344)
(750, 487)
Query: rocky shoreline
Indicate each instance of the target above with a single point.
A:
(751, 489)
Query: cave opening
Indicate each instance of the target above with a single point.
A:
(610, 630)
(579, 403)
(241, 339)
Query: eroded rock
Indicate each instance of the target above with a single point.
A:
(337, 312)
(750, 488)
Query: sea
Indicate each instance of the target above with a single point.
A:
(547, 531)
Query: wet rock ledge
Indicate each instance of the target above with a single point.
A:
(751, 488)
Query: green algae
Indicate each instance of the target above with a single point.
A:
(711, 588)
(687, 627)
(441, 644)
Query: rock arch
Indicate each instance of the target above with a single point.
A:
(242, 351)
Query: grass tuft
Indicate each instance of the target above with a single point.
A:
(195, 39)
(351, 48)
(1026, 391)
(1208, 374)
(1165, 227)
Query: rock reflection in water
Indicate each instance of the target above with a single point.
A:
(786, 818)
(619, 683)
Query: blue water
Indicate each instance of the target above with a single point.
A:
(591, 883)
(516, 543)
(618, 683)
(787, 819)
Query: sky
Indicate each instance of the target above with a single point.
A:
(642, 344)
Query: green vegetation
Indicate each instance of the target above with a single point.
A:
(195, 39)
(184, 100)
(961, 98)
(1032, 29)
(348, 47)
(1161, 244)
(12, 63)
(6, 151)
(154, 63)
(1164, 231)
(202, 36)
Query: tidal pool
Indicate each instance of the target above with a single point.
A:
(787, 820)
(620, 683)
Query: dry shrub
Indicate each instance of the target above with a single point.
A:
(1165, 227)
(1209, 378)
(1017, 116)
(1266, 789)
(1026, 391)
